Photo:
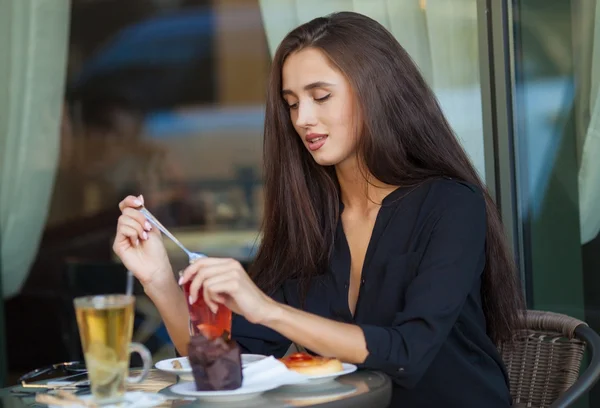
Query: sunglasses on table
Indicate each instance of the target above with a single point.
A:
(70, 369)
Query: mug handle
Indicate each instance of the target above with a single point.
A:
(146, 360)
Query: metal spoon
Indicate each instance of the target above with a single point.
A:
(193, 256)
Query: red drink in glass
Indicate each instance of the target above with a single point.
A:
(211, 325)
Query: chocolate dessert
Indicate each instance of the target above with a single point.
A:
(216, 364)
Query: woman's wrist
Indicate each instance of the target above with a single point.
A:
(158, 288)
(273, 312)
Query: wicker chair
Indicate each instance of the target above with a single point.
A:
(544, 362)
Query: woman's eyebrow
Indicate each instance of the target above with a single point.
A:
(318, 84)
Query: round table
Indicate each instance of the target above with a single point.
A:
(360, 389)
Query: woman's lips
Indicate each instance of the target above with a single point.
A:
(315, 142)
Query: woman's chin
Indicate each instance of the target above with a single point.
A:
(323, 160)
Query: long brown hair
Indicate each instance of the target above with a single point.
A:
(405, 140)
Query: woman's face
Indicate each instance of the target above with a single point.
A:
(320, 102)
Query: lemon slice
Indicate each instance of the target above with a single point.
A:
(103, 367)
(102, 352)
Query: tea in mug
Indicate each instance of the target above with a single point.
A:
(105, 327)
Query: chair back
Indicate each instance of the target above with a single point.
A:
(545, 359)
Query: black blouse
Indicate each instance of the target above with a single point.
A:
(419, 304)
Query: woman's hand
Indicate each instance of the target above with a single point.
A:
(226, 282)
(140, 246)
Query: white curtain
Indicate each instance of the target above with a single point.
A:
(33, 44)
(440, 35)
(588, 118)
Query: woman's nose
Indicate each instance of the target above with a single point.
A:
(306, 115)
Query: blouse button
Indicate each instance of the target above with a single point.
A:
(346, 285)
(401, 369)
(362, 281)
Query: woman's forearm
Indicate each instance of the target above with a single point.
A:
(172, 306)
(323, 336)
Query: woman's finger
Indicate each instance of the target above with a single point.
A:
(221, 277)
(212, 305)
(218, 288)
(210, 283)
(124, 220)
(201, 263)
(211, 288)
(129, 233)
(131, 201)
(138, 217)
(203, 274)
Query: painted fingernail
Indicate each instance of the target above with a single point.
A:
(180, 282)
(145, 235)
(191, 299)
(141, 198)
(148, 226)
(138, 203)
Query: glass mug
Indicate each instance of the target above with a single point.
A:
(203, 320)
(105, 327)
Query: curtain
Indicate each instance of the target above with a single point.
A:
(587, 59)
(33, 45)
(440, 35)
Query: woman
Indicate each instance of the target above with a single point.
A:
(380, 245)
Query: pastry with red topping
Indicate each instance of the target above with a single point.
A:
(305, 363)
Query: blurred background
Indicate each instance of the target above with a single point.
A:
(165, 98)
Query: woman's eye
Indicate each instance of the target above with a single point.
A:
(323, 99)
(293, 105)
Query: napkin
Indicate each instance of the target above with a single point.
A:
(133, 399)
(270, 370)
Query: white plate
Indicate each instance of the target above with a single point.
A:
(323, 378)
(251, 358)
(185, 372)
(261, 376)
(242, 393)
